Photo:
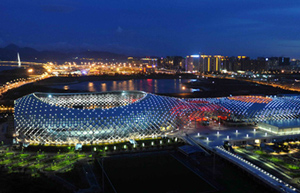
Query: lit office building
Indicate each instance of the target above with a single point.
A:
(192, 63)
(210, 63)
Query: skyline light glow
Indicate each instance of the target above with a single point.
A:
(161, 28)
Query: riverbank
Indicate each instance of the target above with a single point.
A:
(217, 87)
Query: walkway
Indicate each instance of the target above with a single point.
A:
(216, 147)
(91, 178)
(255, 171)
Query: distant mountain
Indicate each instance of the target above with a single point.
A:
(13, 47)
(29, 54)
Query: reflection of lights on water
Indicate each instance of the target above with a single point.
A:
(155, 86)
(114, 86)
(91, 87)
(147, 85)
(103, 87)
(131, 85)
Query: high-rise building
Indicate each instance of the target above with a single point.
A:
(284, 61)
(149, 61)
(258, 65)
(192, 63)
(173, 62)
(226, 64)
(178, 62)
(276, 63)
(210, 63)
(241, 62)
(134, 61)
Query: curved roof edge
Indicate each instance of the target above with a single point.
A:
(146, 95)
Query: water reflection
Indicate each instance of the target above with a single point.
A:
(124, 85)
(91, 87)
(155, 86)
(147, 85)
(130, 85)
(103, 87)
(175, 85)
(114, 87)
(141, 85)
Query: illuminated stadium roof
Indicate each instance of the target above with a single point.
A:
(92, 101)
(258, 108)
(86, 118)
(93, 117)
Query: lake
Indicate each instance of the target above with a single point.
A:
(147, 85)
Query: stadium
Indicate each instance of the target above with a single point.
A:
(93, 117)
(96, 118)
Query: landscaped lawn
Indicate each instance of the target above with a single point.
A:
(20, 164)
(8, 154)
(62, 161)
(60, 165)
(23, 155)
(5, 162)
(37, 166)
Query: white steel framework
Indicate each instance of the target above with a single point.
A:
(95, 118)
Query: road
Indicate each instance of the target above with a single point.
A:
(262, 162)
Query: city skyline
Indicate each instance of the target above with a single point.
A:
(150, 96)
(231, 28)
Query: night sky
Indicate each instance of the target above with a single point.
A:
(155, 27)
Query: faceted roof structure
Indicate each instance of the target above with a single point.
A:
(86, 118)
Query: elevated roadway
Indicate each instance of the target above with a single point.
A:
(262, 175)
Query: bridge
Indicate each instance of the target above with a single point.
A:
(16, 63)
(255, 171)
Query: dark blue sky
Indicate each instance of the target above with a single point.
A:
(155, 27)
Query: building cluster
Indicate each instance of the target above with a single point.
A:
(216, 63)
(196, 63)
(96, 118)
